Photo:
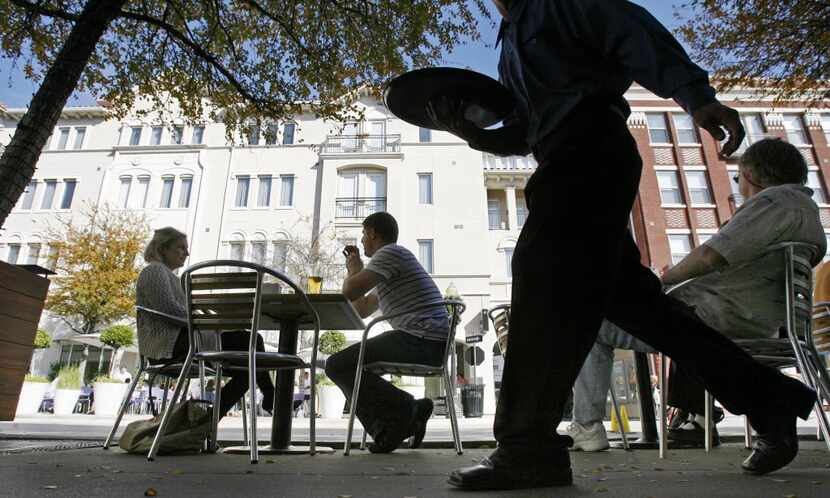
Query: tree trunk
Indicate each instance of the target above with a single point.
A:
(17, 164)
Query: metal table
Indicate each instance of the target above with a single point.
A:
(286, 313)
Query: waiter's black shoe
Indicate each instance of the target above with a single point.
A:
(775, 446)
(423, 410)
(501, 472)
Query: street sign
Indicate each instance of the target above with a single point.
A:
(474, 356)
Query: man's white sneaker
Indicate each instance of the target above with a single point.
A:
(591, 437)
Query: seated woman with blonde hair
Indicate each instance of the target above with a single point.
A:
(163, 340)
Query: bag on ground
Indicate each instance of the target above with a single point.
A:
(186, 432)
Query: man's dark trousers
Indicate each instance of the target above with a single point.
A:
(575, 263)
(380, 404)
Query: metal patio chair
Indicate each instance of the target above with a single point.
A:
(409, 369)
(228, 301)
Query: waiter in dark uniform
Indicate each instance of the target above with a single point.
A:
(568, 64)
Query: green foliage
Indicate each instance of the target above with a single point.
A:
(69, 378)
(255, 60)
(54, 369)
(780, 48)
(106, 379)
(42, 339)
(323, 380)
(35, 378)
(332, 341)
(97, 266)
(118, 336)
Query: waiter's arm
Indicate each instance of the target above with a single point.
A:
(509, 140)
(628, 35)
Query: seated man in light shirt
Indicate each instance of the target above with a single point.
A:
(387, 413)
(738, 287)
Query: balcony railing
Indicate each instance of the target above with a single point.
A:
(359, 207)
(497, 219)
(511, 163)
(521, 216)
(336, 144)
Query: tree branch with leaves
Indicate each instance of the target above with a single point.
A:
(238, 61)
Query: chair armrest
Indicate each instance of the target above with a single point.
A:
(416, 309)
(172, 318)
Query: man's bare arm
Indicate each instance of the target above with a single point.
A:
(701, 261)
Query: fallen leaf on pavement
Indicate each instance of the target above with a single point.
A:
(50, 486)
(150, 492)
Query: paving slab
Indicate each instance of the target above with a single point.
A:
(90, 473)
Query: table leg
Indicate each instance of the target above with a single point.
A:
(283, 412)
(648, 422)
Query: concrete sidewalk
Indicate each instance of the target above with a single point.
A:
(90, 473)
(475, 431)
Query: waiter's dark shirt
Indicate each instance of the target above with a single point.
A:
(557, 53)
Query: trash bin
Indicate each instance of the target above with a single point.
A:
(472, 400)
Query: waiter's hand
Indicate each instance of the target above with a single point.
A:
(714, 118)
(353, 262)
(448, 113)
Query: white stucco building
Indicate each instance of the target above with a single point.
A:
(458, 210)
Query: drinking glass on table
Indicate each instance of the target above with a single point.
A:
(315, 285)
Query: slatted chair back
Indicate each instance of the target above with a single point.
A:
(500, 316)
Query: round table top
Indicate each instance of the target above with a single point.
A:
(407, 95)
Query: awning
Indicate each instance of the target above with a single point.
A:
(92, 340)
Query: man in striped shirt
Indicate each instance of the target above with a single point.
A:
(393, 282)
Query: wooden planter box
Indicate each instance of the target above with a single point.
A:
(22, 294)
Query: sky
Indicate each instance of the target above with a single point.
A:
(16, 90)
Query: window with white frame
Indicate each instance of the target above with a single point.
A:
(280, 259)
(825, 125)
(680, 245)
(198, 135)
(424, 135)
(814, 182)
(271, 132)
(253, 135)
(424, 188)
(69, 185)
(243, 184)
(185, 188)
(794, 125)
(63, 138)
(29, 195)
(140, 199)
(669, 184)
(508, 259)
(34, 254)
(425, 254)
(264, 194)
(124, 192)
(135, 135)
(155, 135)
(288, 133)
(80, 134)
(286, 190)
(686, 129)
(167, 182)
(754, 127)
(258, 250)
(13, 254)
(176, 135)
(237, 252)
(698, 187)
(51, 186)
(658, 129)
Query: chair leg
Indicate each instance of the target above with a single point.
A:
(124, 405)
(254, 445)
(662, 386)
(214, 421)
(616, 409)
(453, 418)
(363, 440)
(747, 433)
(347, 445)
(244, 404)
(164, 396)
(708, 401)
(168, 409)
